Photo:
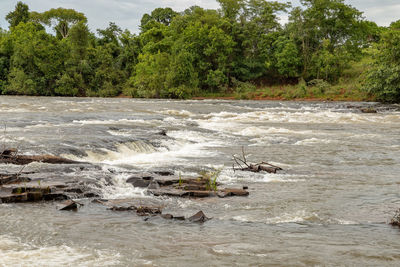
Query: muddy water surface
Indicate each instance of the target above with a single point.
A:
(330, 205)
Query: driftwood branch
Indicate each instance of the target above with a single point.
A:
(262, 166)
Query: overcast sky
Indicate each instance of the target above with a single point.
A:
(127, 13)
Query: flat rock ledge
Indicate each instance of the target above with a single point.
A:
(11, 156)
(16, 188)
(171, 186)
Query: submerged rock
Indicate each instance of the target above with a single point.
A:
(144, 211)
(395, 221)
(138, 181)
(228, 192)
(167, 216)
(153, 185)
(368, 110)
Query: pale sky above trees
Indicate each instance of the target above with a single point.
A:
(127, 13)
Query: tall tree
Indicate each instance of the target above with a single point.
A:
(61, 19)
(36, 61)
(326, 29)
(20, 14)
(384, 78)
(158, 15)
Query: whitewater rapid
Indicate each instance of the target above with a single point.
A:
(338, 190)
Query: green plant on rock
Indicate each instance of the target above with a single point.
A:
(210, 177)
(180, 180)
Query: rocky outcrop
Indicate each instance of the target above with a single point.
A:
(148, 209)
(199, 217)
(14, 189)
(171, 186)
(11, 156)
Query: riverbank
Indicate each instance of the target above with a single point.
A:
(295, 93)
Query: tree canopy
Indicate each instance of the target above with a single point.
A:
(181, 54)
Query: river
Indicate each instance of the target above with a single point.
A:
(330, 206)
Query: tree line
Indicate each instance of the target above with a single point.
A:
(182, 54)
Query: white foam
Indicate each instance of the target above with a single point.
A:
(16, 110)
(223, 119)
(342, 222)
(120, 189)
(15, 253)
(112, 122)
(145, 155)
(295, 217)
(313, 141)
(174, 121)
(181, 113)
(268, 140)
(245, 249)
(229, 176)
(13, 139)
(118, 133)
(196, 137)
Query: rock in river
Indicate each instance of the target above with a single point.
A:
(199, 217)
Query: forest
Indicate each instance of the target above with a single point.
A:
(234, 50)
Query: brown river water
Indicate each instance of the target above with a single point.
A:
(329, 207)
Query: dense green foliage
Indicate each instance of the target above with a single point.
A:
(197, 51)
(384, 78)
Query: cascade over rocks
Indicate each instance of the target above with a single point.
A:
(32, 187)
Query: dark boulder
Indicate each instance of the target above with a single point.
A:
(199, 217)
(71, 205)
(138, 182)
